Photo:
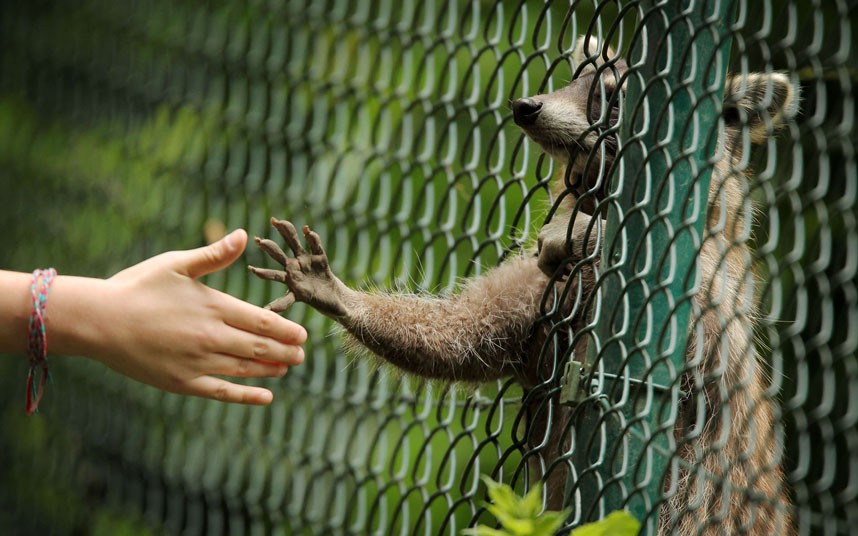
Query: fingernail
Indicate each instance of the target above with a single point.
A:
(283, 370)
(229, 240)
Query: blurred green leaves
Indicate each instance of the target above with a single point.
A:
(519, 516)
(619, 523)
(524, 516)
(86, 198)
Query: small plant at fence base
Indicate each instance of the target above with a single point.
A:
(523, 516)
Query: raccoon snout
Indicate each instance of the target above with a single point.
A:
(525, 111)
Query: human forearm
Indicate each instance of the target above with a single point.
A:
(15, 307)
(76, 315)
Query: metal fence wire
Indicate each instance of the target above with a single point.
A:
(628, 226)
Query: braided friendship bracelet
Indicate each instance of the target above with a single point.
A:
(38, 339)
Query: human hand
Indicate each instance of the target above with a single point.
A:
(159, 325)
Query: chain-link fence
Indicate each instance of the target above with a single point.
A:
(692, 191)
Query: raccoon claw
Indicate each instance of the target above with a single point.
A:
(307, 275)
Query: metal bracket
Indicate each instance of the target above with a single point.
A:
(570, 387)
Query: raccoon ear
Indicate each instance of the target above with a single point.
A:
(589, 50)
(759, 102)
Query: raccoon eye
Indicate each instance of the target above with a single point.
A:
(612, 100)
(596, 95)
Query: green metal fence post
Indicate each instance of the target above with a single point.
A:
(655, 222)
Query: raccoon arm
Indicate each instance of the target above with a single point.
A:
(478, 334)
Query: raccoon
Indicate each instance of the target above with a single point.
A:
(494, 326)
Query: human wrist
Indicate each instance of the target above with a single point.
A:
(77, 317)
(37, 349)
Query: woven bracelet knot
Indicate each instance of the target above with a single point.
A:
(37, 349)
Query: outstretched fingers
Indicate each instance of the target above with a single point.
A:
(270, 275)
(313, 241)
(228, 365)
(289, 234)
(218, 389)
(308, 275)
(296, 269)
(272, 249)
(282, 303)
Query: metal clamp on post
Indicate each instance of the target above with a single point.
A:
(571, 392)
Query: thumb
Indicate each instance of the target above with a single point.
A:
(217, 256)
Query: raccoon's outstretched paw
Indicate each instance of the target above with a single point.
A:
(307, 274)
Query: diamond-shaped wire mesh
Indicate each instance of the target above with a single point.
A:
(132, 128)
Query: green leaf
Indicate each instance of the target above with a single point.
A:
(511, 522)
(549, 522)
(531, 505)
(483, 530)
(519, 516)
(619, 523)
(502, 495)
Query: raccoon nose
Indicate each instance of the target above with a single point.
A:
(525, 111)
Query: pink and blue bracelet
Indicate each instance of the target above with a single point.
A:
(38, 339)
